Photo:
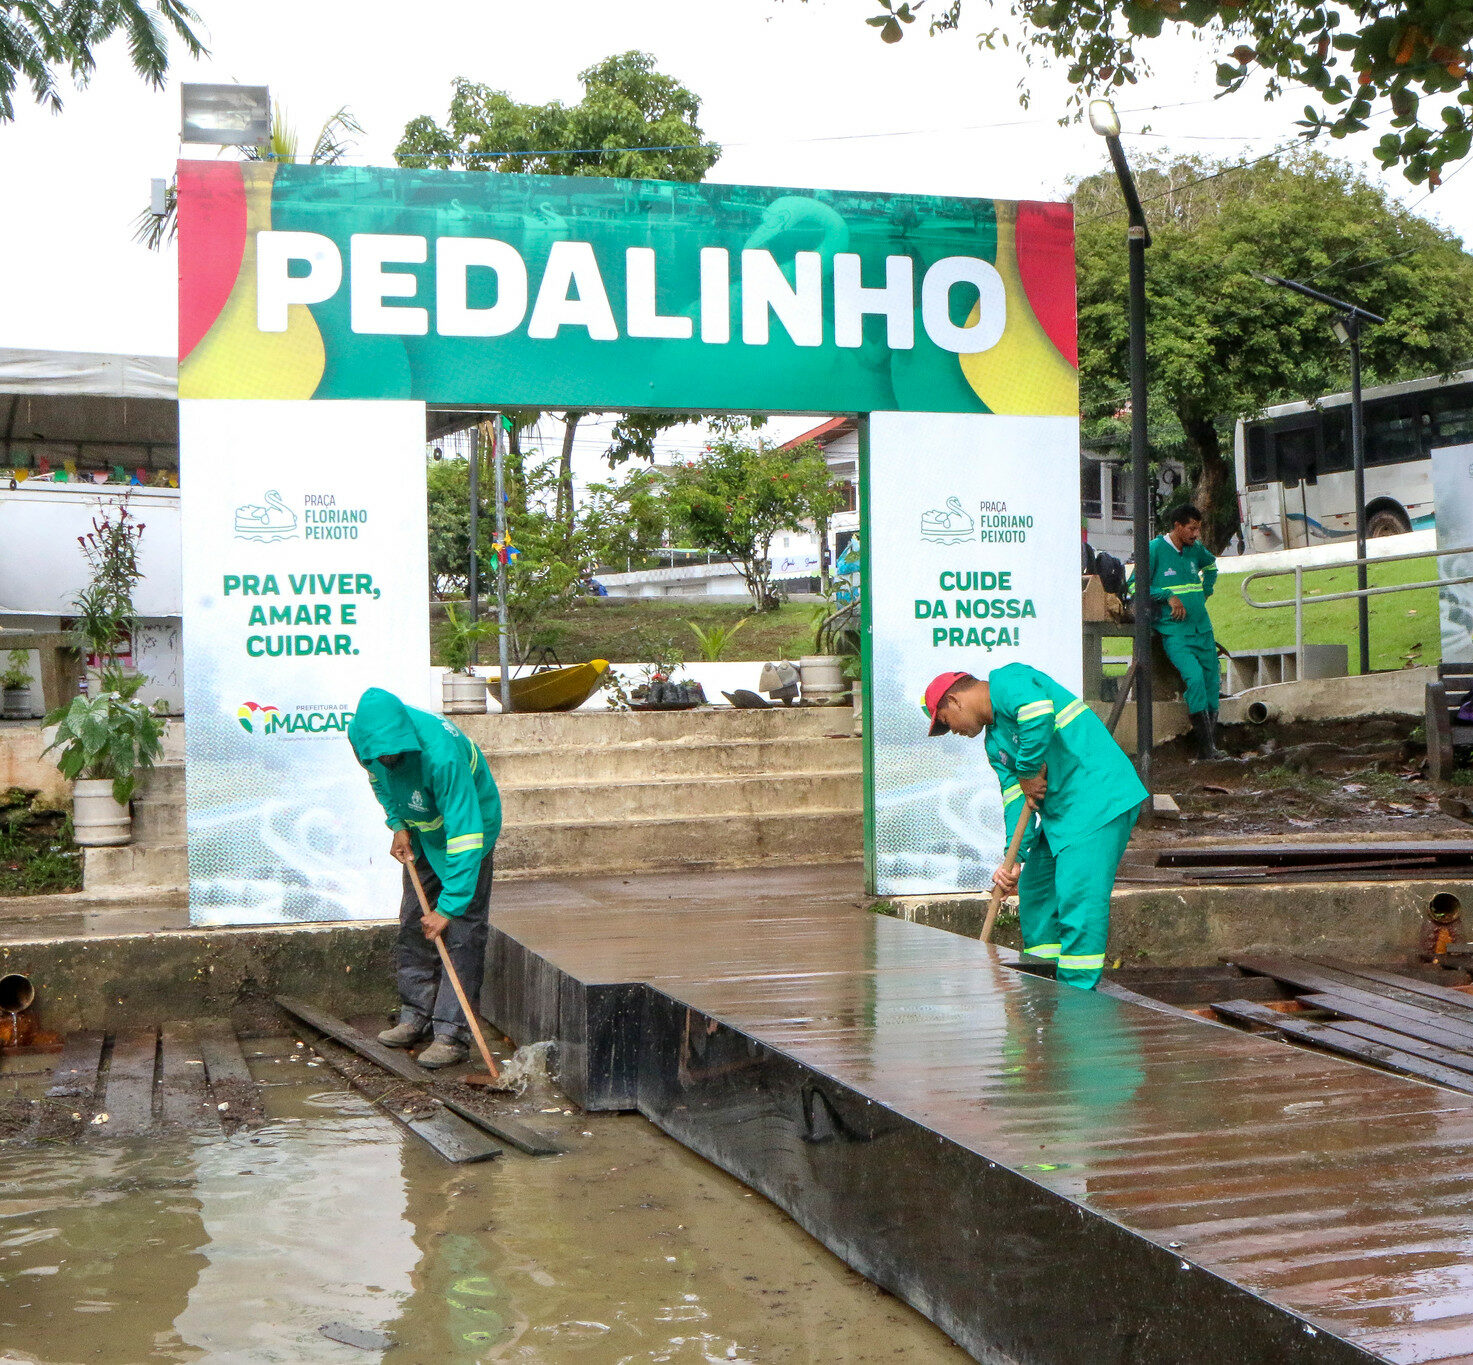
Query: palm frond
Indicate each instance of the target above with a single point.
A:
(334, 141)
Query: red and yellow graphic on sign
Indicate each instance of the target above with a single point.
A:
(222, 354)
(1033, 370)
(250, 715)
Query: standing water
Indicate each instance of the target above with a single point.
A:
(627, 1249)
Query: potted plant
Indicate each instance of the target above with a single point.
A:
(462, 693)
(106, 618)
(103, 742)
(825, 679)
(16, 684)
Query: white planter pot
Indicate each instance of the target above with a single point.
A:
(463, 694)
(98, 820)
(823, 680)
(16, 704)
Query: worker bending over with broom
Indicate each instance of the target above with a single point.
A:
(445, 811)
(1052, 754)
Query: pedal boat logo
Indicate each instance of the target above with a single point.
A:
(949, 525)
(266, 521)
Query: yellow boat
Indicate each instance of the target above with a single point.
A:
(552, 689)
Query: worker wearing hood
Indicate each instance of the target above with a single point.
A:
(441, 802)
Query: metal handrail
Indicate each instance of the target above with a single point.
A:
(1299, 570)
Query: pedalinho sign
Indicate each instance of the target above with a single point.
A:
(947, 324)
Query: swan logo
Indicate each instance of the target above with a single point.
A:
(949, 525)
(253, 717)
(266, 521)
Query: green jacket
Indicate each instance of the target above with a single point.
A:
(1037, 722)
(1188, 575)
(441, 791)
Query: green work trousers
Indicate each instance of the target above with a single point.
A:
(1064, 899)
(1194, 655)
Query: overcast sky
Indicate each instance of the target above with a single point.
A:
(797, 94)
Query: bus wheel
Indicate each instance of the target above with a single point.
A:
(1387, 521)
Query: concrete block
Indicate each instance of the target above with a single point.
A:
(135, 866)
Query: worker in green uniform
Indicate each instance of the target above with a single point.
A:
(1051, 754)
(1183, 575)
(442, 804)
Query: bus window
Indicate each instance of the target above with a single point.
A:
(1258, 465)
(1296, 454)
(1392, 435)
(1336, 457)
(1452, 417)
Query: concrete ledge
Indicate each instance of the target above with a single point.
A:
(1402, 693)
(1189, 926)
(100, 983)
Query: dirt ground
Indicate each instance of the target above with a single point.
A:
(1362, 778)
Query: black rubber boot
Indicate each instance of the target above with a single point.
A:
(1207, 751)
(1212, 730)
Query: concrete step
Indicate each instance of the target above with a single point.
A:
(675, 798)
(694, 757)
(135, 865)
(581, 729)
(158, 821)
(160, 783)
(816, 836)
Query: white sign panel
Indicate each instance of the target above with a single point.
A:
(973, 562)
(305, 573)
(1452, 491)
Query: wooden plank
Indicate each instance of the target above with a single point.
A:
(1457, 999)
(1433, 1052)
(1428, 1028)
(521, 1137)
(184, 1096)
(1332, 1039)
(1458, 851)
(449, 1134)
(396, 1063)
(1328, 981)
(524, 1139)
(128, 1101)
(75, 1074)
(220, 1049)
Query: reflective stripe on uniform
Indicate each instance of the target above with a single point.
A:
(1033, 709)
(427, 824)
(1086, 962)
(1046, 950)
(475, 756)
(1073, 711)
(1011, 794)
(1184, 589)
(464, 843)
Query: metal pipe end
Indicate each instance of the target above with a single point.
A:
(16, 993)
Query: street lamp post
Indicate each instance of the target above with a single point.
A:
(1347, 332)
(1106, 122)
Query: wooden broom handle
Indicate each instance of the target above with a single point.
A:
(1008, 862)
(465, 1005)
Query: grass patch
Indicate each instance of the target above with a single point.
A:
(37, 855)
(636, 630)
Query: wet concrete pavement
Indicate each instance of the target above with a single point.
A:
(629, 1248)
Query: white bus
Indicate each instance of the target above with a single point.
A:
(1295, 482)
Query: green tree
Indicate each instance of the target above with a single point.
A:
(1409, 60)
(633, 122)
(1221, 343)
(741, 493)
(448, 507)
(41, 39)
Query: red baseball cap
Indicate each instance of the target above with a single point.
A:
(934, 692)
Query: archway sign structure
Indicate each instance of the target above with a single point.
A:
(322, 308)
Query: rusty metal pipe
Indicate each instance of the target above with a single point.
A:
(17, 994)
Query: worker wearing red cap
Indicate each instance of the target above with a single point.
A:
(1052, 754)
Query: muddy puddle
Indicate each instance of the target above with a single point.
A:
(240, 1249)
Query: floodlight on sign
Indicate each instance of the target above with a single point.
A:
(225, 115)
(1103, 118)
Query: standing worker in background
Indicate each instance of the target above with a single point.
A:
(445, 811)
(1183, 575)
(1053, 754)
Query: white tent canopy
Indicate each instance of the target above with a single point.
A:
(99, 410)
